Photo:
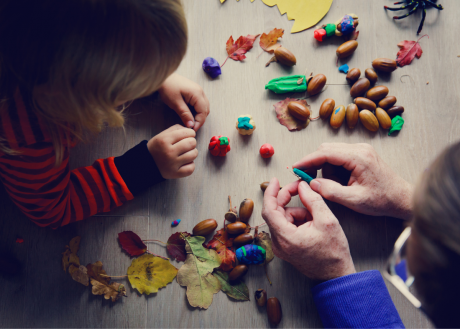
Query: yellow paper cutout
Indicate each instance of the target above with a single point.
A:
(306, 13)
(222, 1)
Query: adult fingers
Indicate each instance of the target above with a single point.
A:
(180, 134)
(184, 112)
(338, 154)
(313, 202)
(298, 215)
(188, 157)
(185, 145)
(332, 191)
(274, 219)
(287, 192)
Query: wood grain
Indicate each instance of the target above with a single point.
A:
(44, 296)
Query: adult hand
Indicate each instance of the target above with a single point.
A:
(177, 92)
(174, 151)
(309, 238)
(373, 188)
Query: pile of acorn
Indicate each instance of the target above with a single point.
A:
(373, 107)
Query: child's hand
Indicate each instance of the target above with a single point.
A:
(174, 151)
(177, 92)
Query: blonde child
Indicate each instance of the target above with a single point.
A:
(65, 68)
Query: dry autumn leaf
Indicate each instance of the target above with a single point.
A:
(132, 243)
(148, 273)
(80, 275)
(236, 290)
(287, 119)
(101, 284)
(196, 273)
(268, 42)
(237, 50)
(175, 246)
(69, 255)
(224, 247)
(74, 244)
(264, 240)
(409, 50)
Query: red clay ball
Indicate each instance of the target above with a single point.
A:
(267, 151)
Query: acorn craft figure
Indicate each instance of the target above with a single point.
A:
(413, 5)
(344, 26)
(219, 146)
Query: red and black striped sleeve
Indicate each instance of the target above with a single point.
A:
(53, 195)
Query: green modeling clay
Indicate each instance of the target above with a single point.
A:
(223, 141)
(243, 123)
(396, 124)
(304, 176)
(330, 29)
(289, 84)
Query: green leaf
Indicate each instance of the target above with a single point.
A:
(195, 244)
(237, 290)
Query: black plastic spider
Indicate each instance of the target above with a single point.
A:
(413, 5)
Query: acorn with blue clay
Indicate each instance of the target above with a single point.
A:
(245, 124)
(251, 254)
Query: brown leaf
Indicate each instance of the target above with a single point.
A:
(80, 275)
(65, 259)
(74, 244)
(287, 119)
(95, 270)
(112, 291)
(264, 240)
(268, 42)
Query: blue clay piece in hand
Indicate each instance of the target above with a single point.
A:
(175, 222)
(344, 68)
(251, 254)
(211, 67)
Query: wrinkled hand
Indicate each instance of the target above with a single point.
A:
(373, 188)
(177, 92)
(174, 151)
(309, 238)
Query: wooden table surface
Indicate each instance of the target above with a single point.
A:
(44, 296)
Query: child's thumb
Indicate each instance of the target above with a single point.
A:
(185, 114)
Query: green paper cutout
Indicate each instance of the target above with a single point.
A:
(243, 123)
(330, 29)
(223, 140)
(396, 124)
(287, 84)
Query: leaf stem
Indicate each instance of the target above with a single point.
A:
(151, 253)
(114, 276)
(225, 61)
(266, 273)
(425, 35)
(258, 226)
(155, 241)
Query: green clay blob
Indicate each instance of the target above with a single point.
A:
(288, 84)
(330, 29)
(243, 123)
(223, 141)
(305, 177)
(396, 124)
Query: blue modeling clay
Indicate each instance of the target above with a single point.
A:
(344, 68)
(251, 254)
(347, 25)
(304, 176)
(211, 67)
(175, 222)
(243, 123)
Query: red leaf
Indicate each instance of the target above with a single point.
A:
(287, 119)
(354, 35)
(237, 50)
(268, 42)
(224, 247)
(409, 50)
(176, 246)
(132, 243)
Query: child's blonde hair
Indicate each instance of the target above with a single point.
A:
(74, 61)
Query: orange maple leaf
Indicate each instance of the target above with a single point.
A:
(224, 247)
(268, 42)
(237, 50)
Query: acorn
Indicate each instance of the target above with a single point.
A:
(283, 56)
(242, 240)
(365, 104)
(371, 75)
(352, 115)
(298, 110)
(353, 75)
(359, 87)
(274, 311)
(377, 93)
(384, 64)
(383, 118)
(205, 227)
(369, 120)
(326, 108)
(387, 102)
(337, 117)
(246, 208)
(347, 49)
(235, 228)
(260, 295)
(316, 84)
(238, 272)
(264, 186)
(395, 110)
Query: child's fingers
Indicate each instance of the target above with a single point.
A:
(188, 157)
(186, 169)
(184, 112)
(185, 145)
(202, 108)
(180, 134)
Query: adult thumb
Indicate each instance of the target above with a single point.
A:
(312, 200)
(331, 190)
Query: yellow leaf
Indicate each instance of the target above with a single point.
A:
(148, 273)
(306, 13)
(196, 274)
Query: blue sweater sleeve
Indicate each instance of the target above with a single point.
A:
(358, 300)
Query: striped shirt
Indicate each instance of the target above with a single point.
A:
(53, 195)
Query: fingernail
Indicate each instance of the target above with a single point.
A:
(190, 124)
(315, 185)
